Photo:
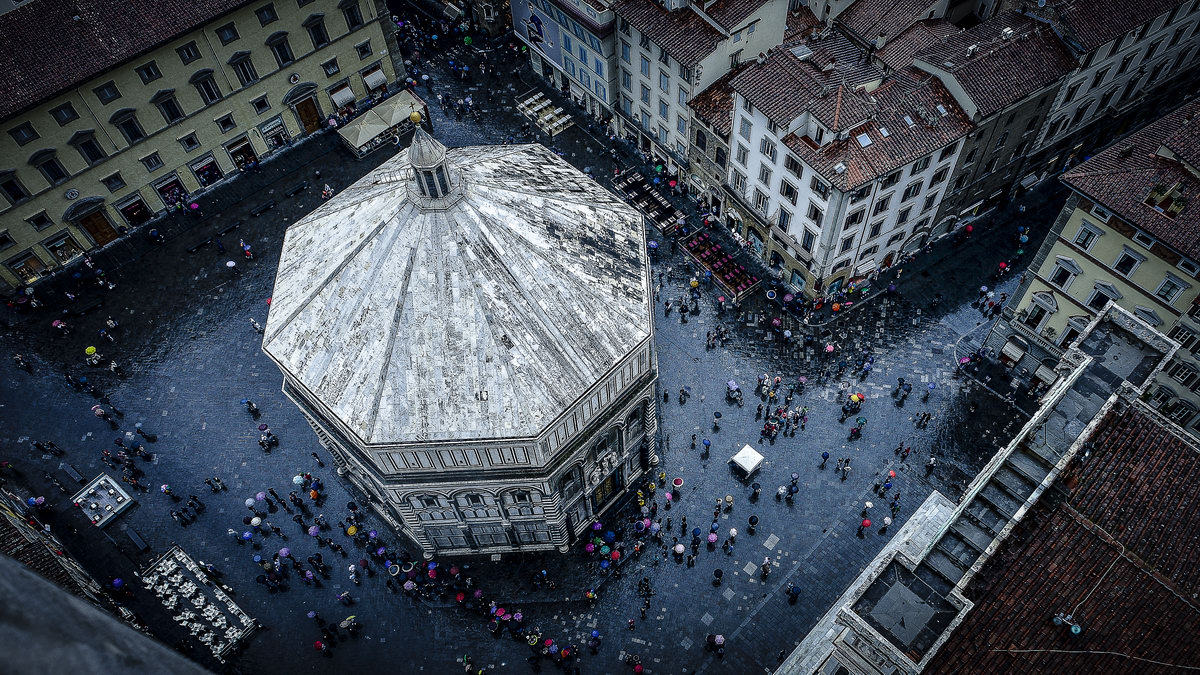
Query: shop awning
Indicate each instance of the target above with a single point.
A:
(1045, 374)
(375, 79)
(1012, 350)
(342, 97)
(747, 459)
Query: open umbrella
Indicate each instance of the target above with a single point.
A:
(260, 496)
(352, 530)
(246, 536)
(90, 351)
(604, 564)
(589, 547)
(891, 474)
(866, 523)
(597, 526)
(695, 532)
(712, 537)
(255, 521)
(297, 480)
(285, 552)
(262, 427)
(257, 558)
(249, 502)
(717, 415)
(610, 536)
(314, 531)
(679, 549)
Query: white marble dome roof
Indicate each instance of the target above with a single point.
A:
(397, 318)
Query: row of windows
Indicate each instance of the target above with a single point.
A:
(1126, 264)
(241, 62)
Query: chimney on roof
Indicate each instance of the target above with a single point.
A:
(762, 58)
(971, 51)
(1125, 151)
(880, 41)
(1006, 33)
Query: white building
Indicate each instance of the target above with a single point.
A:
(837, 166)
(469, 332)
(571, 44)
(666, 53)
(1124, 50)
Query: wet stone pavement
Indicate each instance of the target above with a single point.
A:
(191, 354)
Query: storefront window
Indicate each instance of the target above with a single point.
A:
(27, 267)
(64, 249)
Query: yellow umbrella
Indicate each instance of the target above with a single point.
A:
(352, 530)
(89, 351)
(695, 283)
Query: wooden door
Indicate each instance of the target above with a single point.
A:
(309, 118)
(96, 225)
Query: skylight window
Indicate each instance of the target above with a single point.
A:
(942, 109)
(908, 120)
(863, 140)
(883, 131)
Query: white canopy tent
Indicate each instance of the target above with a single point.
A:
(747, 459)
(387, 119)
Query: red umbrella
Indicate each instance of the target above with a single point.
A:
(891, 474)
(866, 523)
(460, 597)
(318, 645)
(616, 555)
(1003, 265)
(969, 229)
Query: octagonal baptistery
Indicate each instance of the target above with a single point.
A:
(470, 334)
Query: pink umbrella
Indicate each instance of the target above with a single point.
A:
(712, 538)
(828, 349)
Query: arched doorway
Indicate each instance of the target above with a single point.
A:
(88, 214)
(302, 98)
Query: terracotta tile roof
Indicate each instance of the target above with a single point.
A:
(1123, 175)
(1094, 23)
(1003, 71)
(867, 19)
(32, 552)
(685, 34)
(46, 51)
(815, 75)
(898, 52)
(714, 105)
(729, 13)
(900, 97)
(1120, 553)
(800, 22)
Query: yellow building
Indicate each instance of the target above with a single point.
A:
(1129, 234)
(115, 112)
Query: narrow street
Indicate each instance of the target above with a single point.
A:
(191, 355)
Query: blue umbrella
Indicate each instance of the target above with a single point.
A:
(932, 386)
(714, 526)
(707, 443)
(610, 536)
(604, 564)
(695, 532)
(258, 558)
(246, 536)
(653, 244)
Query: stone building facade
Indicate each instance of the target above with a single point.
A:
(506, 395)
(1127, 235)
(101, 141)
